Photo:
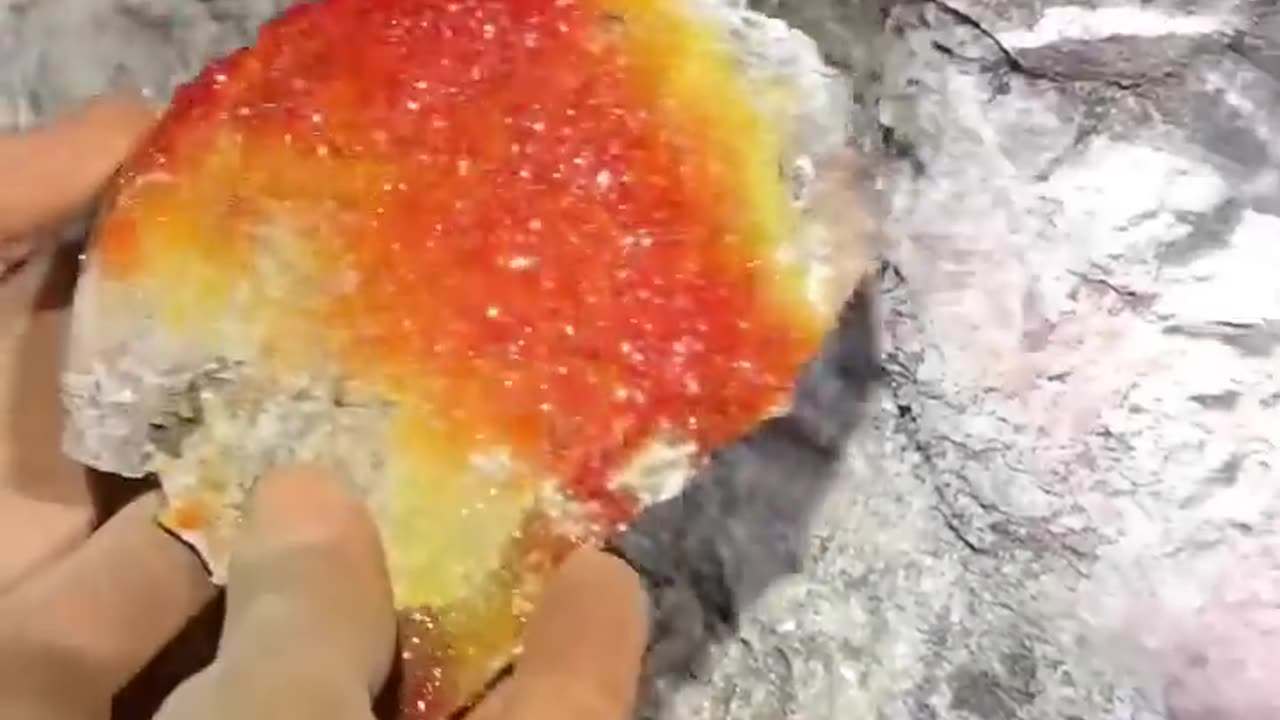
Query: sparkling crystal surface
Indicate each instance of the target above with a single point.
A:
(545, 244)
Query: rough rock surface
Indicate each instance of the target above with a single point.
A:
(1063, 501)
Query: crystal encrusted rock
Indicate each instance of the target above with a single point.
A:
(512, 266)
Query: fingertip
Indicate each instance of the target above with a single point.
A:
(306, 503)
(584, 646)
(63, 163)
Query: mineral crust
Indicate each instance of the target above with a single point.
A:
(514, 267)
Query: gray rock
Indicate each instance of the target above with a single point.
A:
(1062, 503)
(1064, 507)
(59, 53)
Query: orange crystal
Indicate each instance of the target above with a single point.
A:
(546, 229)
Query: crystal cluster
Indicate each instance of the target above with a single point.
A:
(512, 266)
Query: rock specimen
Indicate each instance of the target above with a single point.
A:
(513, 266)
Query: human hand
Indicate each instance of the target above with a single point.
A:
(309, 601)
(46, 176)
(92, 614)
(310, 627)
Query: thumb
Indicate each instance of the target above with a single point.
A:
(310, 625)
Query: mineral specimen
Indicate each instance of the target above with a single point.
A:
(512, 266)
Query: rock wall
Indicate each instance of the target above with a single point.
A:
(1062, 502)
(1065, 507)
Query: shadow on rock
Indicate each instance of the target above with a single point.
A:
(744, 521)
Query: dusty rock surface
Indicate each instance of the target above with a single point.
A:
(1062, 501)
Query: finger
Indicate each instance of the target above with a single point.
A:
(310, 628)
(46, 499)
(78, 630)
(48, 173)
(583, 646)
(309, 574)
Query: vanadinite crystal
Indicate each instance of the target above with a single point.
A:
(507, 263)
